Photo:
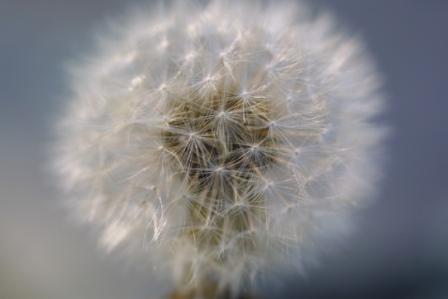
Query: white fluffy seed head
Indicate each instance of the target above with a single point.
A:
(221, 138)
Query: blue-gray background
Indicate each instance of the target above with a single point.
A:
(401, 247)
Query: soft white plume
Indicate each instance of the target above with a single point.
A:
(221, 139)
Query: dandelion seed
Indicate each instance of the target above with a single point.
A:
(260, 129)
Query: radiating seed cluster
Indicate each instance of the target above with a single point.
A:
(220, 144)
(221, 140)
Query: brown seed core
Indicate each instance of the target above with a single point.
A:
(220, 145)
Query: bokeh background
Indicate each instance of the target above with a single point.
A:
(400, 248)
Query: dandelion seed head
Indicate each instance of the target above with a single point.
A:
(221, 139)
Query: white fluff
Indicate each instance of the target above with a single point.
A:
(320, 91)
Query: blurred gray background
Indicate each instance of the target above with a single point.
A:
(400, 249)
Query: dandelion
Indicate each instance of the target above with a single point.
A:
(222, 139)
